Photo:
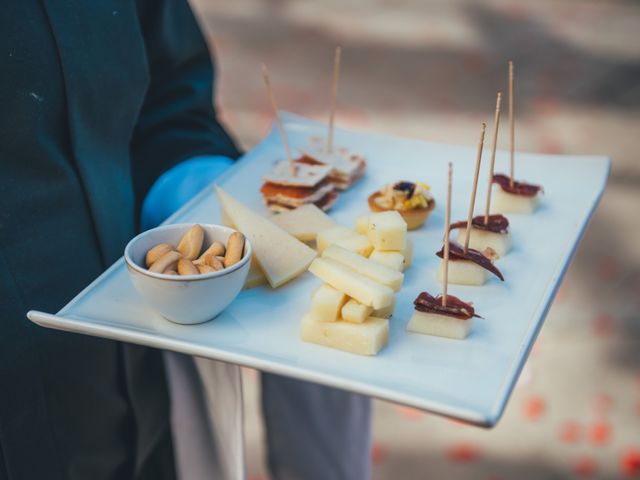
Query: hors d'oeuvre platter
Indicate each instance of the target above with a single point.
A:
(351, 297)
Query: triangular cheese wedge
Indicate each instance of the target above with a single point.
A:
(255, 277)
(280, 256)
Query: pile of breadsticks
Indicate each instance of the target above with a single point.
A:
(187, 258)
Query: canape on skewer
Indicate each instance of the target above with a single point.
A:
(514, 197)
(511, 196)
(487, 231)
(292, 183)
(492, 234)
(432, 318)
(443, 315)
(468, 268)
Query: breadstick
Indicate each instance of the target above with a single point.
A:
(205, 269)
(186, 267)
(165, 262)
(216, 249)
(171, 271)
(156, 252)
(191, 243)
(214, 262)
(235, 247)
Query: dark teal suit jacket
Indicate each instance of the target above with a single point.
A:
(97, 99)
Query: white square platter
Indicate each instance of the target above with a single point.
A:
(470, 380)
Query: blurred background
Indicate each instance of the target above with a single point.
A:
(430, 69)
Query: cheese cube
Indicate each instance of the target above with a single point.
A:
(398, 260)
(439, 325)
(373, 270)
(359, 244)
(331, 235)
(483, 239)
(280, 256)
(365, 338)
(385, 312)
(304, 222)
(387, 231)
(326, 304)
(464, 272)
(362, 224)
(394, 260)
(355, 312)
(354, 284)
(505, 202)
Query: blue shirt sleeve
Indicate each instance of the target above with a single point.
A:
(178, 185)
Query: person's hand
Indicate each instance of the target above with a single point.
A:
(178, 185)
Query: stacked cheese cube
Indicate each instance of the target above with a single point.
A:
(349, 312)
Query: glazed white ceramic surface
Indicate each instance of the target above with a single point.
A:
(467, 379)
(187, 299)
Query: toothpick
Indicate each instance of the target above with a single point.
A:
(496, 124)
(447, 223)
(474, 188)
(511, 130)
(276, 112)
(334, 94)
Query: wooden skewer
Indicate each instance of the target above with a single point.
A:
(496, 124)
(511, 130)
(274, 105)
(334, 94)
(447, 223)
(474, 188)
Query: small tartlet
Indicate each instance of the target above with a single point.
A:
(390, 197)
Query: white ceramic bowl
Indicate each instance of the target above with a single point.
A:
(186, 299)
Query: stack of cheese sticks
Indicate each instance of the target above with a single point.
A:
(362, 271)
